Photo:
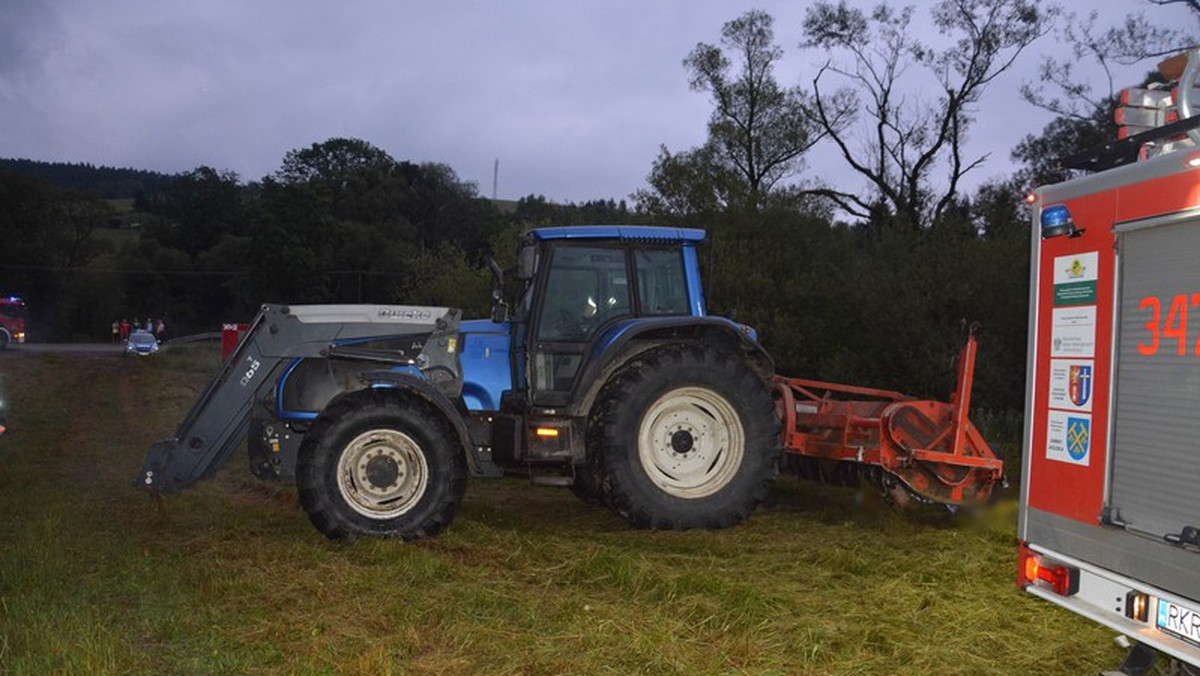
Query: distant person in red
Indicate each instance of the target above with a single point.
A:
(124, 329)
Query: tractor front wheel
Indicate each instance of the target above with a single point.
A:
(380, 465)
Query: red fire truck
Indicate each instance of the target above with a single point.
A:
(12, 320)
(1110, 494)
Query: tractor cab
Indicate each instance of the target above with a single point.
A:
(587, 288)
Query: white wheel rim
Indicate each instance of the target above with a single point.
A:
(691, 443)
(382, 473)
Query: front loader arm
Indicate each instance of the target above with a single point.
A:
(219, 420)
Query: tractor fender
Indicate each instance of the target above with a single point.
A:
(623, 341)
(422, 388)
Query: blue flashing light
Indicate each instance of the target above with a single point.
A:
(1056, 220)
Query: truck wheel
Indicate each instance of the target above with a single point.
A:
(378, 465)
(686, 438)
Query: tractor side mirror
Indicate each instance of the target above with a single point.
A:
(499, 307)
(526, 262)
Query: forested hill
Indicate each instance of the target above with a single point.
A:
(107, 182)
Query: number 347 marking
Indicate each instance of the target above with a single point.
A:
(1173, 327)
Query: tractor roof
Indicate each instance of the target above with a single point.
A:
(625, 233)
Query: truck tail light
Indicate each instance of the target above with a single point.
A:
(1033, 568)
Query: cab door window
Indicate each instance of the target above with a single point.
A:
(585, 287)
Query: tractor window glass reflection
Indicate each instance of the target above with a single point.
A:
(662, 283)
(586, 287)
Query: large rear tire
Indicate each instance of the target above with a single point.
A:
(380, 465)
(588, 485)
(685, 438)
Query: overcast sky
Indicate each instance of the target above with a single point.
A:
(573, 98)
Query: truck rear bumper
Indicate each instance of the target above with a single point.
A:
(1102, 598)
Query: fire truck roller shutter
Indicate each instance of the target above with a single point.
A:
(1155, 480)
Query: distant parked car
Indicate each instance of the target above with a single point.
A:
(141, 343)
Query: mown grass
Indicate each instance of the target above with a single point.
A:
(97, 577)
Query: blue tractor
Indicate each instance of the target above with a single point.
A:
(607, 375)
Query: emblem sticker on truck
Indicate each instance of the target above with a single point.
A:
(1075, 278)
(1071, 384)
(1073, 332)
(1069, 437)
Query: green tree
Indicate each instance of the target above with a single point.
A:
(341, 220)
(757, 134)
(899, 142)
(692, 184)
(199, 208)
(444, 208)
(1060, 87)
(334, 163)
(47, 235)
(535, 211)
(1066, 135)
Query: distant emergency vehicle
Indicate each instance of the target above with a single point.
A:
(12, 320)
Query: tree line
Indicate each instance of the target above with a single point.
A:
(339, 222)
(105, 182)
(867, 284)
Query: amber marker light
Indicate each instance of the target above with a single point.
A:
(546, 432)
(1031, 568)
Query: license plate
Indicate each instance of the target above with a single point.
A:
(1178, 621)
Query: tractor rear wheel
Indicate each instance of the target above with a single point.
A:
(588, 485)
(379, 465)
(685, 438)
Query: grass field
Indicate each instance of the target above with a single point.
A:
(97, 577)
